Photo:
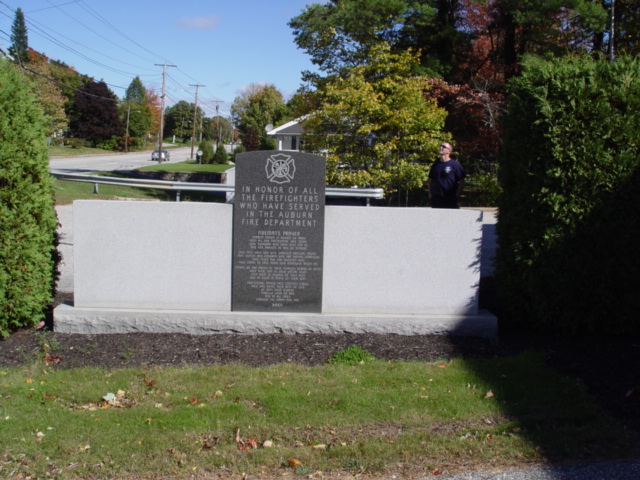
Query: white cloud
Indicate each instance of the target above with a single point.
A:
(198, 23)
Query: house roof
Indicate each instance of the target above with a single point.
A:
(294, 127)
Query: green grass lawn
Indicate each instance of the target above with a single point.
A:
(189, 166)
(66, 192)
(370, 418)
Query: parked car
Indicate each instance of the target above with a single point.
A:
(158, 157)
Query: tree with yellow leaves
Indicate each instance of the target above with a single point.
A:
(375, 125)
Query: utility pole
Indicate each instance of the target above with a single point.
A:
(164, 82)
(217, 102)
(195, 116)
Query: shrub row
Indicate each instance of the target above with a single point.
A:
(569, 216)
(27, 216)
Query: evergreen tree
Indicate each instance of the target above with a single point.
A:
(27, 216)
(220, 157)
(135, 91)
(19, 48)
(207, 152)
(136, 112)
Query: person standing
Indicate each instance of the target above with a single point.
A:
(446, 179)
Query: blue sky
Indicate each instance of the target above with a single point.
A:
(222, 45)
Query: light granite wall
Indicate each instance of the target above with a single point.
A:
(152, 255)
(401, 260)
(177, 256)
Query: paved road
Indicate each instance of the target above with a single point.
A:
(114, 161)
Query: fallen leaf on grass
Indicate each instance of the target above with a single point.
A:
(209, 442)
(149, 383)
(51, 359)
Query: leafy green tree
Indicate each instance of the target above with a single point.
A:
(140, 120)
(339, 34)
(27, 216)
(178, 120)
(95, 114)
(257, 107)
(19, 48)
(376, 126)
(301, 103)
(218, 129)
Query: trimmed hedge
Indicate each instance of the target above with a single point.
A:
(569, 218)
(27, 216)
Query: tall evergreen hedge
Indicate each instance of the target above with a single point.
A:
(569, 218)
(27, 216)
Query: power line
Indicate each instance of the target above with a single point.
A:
(65, 43)
(87, 8)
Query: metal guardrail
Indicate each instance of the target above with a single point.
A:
(365, 193)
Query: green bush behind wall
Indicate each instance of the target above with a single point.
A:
(569, 219)
(27, 216)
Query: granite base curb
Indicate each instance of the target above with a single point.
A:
(70, 319)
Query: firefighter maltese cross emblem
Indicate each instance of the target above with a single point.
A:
(280, 168)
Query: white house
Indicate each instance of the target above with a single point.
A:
(289, 135)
